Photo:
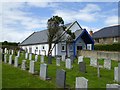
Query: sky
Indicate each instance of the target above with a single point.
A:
(20, 19)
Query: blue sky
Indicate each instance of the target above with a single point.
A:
(21, 19)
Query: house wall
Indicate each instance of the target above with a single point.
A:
(40, 50)
(107, 40)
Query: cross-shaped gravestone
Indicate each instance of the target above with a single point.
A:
(68, 63)
(23, 66)
(60, 78)
(43, 71)
(16, 61)
(82, 67)
(107, 64)
(81, 83)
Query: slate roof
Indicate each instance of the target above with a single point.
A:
(112, 31)
(38, 37)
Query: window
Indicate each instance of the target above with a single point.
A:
(115, 39)
(43, 47)
(63, 47)
(36, 47)
(79, 47)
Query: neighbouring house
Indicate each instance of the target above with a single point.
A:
(107, 35)
(37, 42)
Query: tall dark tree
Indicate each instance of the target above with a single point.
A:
(54, 25)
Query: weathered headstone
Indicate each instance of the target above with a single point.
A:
(60, 78)
(23, 66)
(81, 83)
(10, 59)
(32, 67)
(80, 59)
(72, 58)
(26, 55)
(5, 58)
(116, 74)
(68, 63)
(93, 61)
(18, 54)
(5, 50)
(98, 69)
(36, 58)
(107, 64)
(16, 61)
(82, 67)
(63, 57)
(43, 71)
(42, 59)
(112, 87)
(30, 56)
(57, 61)
(49, 59)
(12, 52)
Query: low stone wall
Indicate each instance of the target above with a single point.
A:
(100, 54)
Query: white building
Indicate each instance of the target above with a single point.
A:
(37, 42)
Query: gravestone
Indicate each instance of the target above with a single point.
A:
(60, 78)
(16, 61)
(58, 61)
(72, 58)
(80, 59)
(68, 63)
(116, 74)
(112, 87)
(63, 57)
(43, 71)
(32, 67)
(23, 66)
(81, 83)
(30, 56)
(26, 55)
(42, 59)
(93, 61)
(107, 64)
(5, 58)
(82, 67)
(36, 58)
(12, 52)
(18, 54)
(7, 51)
(10, 59)
(49, 59)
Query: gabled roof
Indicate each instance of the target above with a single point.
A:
(112, 31)
(39, 37)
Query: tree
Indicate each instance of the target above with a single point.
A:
(54, 25)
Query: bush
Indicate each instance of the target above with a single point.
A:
(108, 47)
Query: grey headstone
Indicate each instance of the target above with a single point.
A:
(30, 56)
(12, 52)
(36, 58)
(107, 64)
(16, 61)
(116, 74)
(81, 83)
(23, 66)
(32, 67)
(82, 67)
(72, 58)
(60, 78)
(43, 71)
(26, 55)
(93, 61)
(68, 63)
(49, 59)
(10, 59)
(57, 61)
(63, 57)
(42, 59)
(5, 58)
(80, 59)
(112, 87)
(18, 54)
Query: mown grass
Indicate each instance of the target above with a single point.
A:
(16, 78)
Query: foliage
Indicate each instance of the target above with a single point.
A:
(108, 47)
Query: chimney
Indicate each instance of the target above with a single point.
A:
(91, 33)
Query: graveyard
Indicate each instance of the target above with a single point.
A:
(18, 72)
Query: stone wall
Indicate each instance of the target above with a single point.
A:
(100, 54)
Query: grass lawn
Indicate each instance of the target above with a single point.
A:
(16, 78)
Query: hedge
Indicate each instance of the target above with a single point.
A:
(108, 47)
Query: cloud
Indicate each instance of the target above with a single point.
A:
(87, 14)
(111, 20)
